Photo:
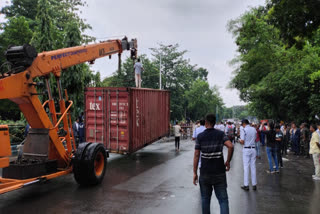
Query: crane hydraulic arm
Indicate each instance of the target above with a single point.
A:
(18, 86)
(54, 62)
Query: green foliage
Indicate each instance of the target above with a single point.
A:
(49, 25)
(296, 19)
(279, 81)
(16, 130)
(239, 112)
(43, 38)
(25, 8)
(202, 99)
(16, 31)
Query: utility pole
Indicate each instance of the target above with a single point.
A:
(217, 116)
(232, 111)
(160, 73)
(160, 85)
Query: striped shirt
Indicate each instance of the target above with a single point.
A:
(210, 143)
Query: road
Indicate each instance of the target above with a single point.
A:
(158, 180)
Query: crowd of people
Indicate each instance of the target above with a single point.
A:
(278, 138)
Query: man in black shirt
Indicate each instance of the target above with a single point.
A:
(272, 149)
(213, 169)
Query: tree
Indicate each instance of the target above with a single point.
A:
(15, 32)
(19, 8)
(177, 76)
(49, 25)
(257, 43)
(278, 80)
(202, 99)
(296, 19)
(43, 37)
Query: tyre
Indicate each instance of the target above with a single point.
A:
(90, 164)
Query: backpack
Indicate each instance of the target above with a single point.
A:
(230, 131)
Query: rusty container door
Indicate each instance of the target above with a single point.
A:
(150, 110)
(118, 132)
(95, 115)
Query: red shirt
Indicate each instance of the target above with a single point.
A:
(258, 135)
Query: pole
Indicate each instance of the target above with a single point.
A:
(119, 63)
(232, 111)
(217, 116)
(160, 74)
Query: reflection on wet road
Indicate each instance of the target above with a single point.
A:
(159, 180)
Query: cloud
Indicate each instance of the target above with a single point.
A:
(199, 26)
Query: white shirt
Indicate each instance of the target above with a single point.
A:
(248, 134)
(318, 131)
(221, 127)
(177, 129)
(198, 131)
(138, 67)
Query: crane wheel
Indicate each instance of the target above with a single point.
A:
(90, 164)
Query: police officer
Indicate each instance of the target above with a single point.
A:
(247, 139)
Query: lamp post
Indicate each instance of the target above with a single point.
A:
(160, 73)
(160, 86)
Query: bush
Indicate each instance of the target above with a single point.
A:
(16, 130)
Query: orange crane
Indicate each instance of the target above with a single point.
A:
(48, 152)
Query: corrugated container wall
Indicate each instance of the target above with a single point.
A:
(126, 119)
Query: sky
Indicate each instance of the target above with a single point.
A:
(198, 26)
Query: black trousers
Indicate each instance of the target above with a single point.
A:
(284, 147)
(279, 156)
(177, 142)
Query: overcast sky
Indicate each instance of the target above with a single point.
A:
(198, 26)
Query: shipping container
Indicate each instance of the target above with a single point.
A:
(126, 119)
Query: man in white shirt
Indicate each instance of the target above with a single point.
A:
(248, 138)
(199, 130)
(177, 134)
(222, 127)
(196, 132)
(138, 70)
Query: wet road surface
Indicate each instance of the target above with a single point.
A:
(158, 180)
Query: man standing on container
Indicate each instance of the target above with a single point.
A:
(248, 139)
(213, 169)
(138, 70)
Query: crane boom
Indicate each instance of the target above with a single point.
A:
(55, 61)
(18, 86)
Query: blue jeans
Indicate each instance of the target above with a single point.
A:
(272, 154)
(296, 146)
(219, 184)
(258, 148)
(262, 138)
